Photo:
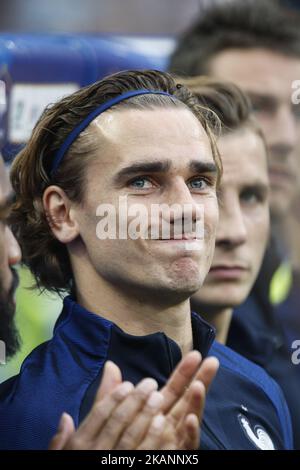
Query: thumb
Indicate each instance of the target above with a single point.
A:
(111, 378)
(65, 430)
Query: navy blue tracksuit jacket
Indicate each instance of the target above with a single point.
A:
(245, 409)
(264, 334)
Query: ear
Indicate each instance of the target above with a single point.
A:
(61, 214)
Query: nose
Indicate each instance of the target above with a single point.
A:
(13, 248)
(184, 207)
(231, 229)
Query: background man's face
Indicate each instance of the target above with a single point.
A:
(151, 157)
(244, 221)
(9, 255)
(267, 77)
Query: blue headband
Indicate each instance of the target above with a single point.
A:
(82, 125)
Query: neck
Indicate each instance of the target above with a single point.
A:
(133, 312)
(221, 320)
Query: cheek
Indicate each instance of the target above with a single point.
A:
(261, 226)
(88, 229)
(266, 123)
(3, 254)
(211, 218)
(258, 235)
(5, 274)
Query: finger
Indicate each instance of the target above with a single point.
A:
(111, 378)
(135, 433)
(157, 437)
(65, 429)
(196, 400)
(191, 433)
(207, 371)
(93, 424)
(191, 402)
(125, 413)
(193, 399)
(180, 379)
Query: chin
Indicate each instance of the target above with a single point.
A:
(231, 303)
(190, 280)
(190, 284)
(213, 301)
(174, 295)
(191, 268)
(183, 287)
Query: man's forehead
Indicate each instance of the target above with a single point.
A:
(257, 70)
(244, 158)
(159, 133)
(243, 175)
(134, 124)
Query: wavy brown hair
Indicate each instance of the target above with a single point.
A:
(46, 257)
(230, 104)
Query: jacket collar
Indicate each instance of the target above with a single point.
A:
(91, 331)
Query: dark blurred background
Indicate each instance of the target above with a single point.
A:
(128, 16)
(116, 16)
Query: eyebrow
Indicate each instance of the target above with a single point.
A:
(6, 205)
(143, 167)
(264, 98)
(203, 167)
(162, 167)
(258, 186)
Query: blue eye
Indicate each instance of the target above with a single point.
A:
(251, 197)
(141, 183)
(198, 183)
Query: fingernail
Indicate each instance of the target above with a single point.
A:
(107, 364)
(196, 354)
(61, 422)
(123, 390)
(158, 422)
(155, 400)
(147, 386)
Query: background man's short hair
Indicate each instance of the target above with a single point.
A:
(227, 101)
(242, 24)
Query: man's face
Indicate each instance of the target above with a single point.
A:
(10, 254)
(159, 156)
(267, 77)
(244, 222)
